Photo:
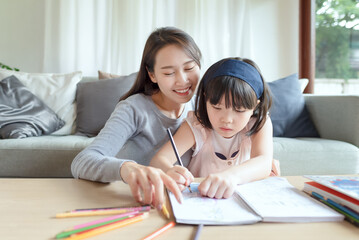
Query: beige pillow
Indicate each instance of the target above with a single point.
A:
(57, 91)
(105, 75)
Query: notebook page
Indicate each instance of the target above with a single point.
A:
(196, 209)
(276, 200)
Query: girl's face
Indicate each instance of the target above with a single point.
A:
(175, 73)
(226, 121)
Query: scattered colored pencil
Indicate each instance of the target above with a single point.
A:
(108, 227)
(159, 231)
(102, 220)
(101, 212)
(89, 227)
(146, 207)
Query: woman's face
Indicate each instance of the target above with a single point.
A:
(175, 73)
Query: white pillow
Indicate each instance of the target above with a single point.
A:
(58, 91)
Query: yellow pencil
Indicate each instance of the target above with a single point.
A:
(107, 228)
(90, 213)
(165, 211)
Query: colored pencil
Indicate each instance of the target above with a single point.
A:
(198, 232)
(176, 152)
(159, 231)
(89, 227)
(106, 228)
(101, 212)
(144, 207)
(102, 220)
(165, 211)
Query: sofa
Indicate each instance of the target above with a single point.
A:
(336, 151)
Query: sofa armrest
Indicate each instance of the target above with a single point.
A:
(335, 116)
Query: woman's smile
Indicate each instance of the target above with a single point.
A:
(183, 92)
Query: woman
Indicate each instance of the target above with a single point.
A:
(159, 99)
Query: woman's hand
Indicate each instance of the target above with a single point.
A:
(148, 181)
(181, 175)
(218, 185)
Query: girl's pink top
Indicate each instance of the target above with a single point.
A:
(214, 153)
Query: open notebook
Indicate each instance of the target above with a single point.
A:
(270, 200)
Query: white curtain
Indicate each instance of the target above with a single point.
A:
(91, 35)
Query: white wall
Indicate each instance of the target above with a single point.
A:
(22, 34)
(276, 40)
(275, 35)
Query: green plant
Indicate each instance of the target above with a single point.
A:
(336, 24)
(8, 68)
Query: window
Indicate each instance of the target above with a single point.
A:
(337, 47)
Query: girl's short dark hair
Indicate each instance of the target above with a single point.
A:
(236, 92)
(158, 39)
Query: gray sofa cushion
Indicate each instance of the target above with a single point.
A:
(289, 113)
(22, 114)
(44, 156)
(311, 156)
(96, 101)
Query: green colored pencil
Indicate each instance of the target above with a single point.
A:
(69, 233)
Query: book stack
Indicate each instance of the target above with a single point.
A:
(338, 192)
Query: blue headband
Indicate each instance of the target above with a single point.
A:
(241, 70)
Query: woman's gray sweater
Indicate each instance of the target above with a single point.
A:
(135, 131)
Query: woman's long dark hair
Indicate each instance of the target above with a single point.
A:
(157, 40)
(236, 92)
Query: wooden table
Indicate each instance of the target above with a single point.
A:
(28, 207)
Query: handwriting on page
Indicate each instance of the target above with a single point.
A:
(196, 201)
(203, 209)
(276, 197)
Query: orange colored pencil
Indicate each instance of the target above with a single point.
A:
(107, 228)
(159, 231)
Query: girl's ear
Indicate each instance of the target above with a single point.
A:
(151, 75)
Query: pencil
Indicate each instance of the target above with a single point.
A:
(107, 228)
(144, 208)
(96, 225)
(165, 211)
(101, 212)
(198, 232)
(176, 152)
(159, 231)
(102, 220)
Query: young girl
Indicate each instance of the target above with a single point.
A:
(230, 131)
(159, 99)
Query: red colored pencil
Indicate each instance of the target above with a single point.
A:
(159, 231)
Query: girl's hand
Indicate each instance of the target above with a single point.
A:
(148, 181)
(218, 185)
(181, 175)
